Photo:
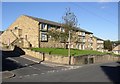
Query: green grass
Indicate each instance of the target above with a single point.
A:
(64, 52)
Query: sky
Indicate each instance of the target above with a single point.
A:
(101, 18)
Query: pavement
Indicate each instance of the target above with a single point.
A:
(7, 74)
(31, 58)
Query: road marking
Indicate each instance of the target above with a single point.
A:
(34, 74)
(13, 59)
(42, 73)
(30, 59)
(51, 71)
(26, 64)
(26, 75)
(34, 68)
(20, 77)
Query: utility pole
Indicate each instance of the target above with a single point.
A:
(69, 50)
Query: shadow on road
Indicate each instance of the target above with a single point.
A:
(9, 64)
(13, 53)
(113, 72)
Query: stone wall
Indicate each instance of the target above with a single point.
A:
(33, 53)
(74, 60)
(29, 30)
(96, 59)
(51, 44)
(78, 60)
(57, 59)
(7, 37)
(94, 43)
(47, 57)
(106, 58)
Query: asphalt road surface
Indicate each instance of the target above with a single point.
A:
(107, 72)
(28, 71)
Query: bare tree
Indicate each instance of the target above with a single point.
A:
(69, 23)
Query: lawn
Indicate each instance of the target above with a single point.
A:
(64, 52)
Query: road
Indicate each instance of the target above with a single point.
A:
(29, 71)
(107, 72)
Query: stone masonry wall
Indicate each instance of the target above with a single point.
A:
(29, 29)
(47, 57)
(52, 44)
(96, 59)
(7, 37)
(74, 60)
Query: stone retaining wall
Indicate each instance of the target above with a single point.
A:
(47, 57)
(33, 53)
(96, 59)
(74, 60)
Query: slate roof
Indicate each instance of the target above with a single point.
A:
(1, 32)
(83, 30)
(98, 38)
(116, 48)
(44, 21)
(54, 23)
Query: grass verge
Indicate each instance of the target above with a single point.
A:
(64, 52)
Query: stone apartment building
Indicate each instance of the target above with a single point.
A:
(98, 44)
(28, 31)
(116, 49)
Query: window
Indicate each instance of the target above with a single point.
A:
(16, 28)
(48, 26)
(44, 27)
(26, 37)
(44, 36)
(62, 30)
(78, 46)
(79, 39)
(83, 33)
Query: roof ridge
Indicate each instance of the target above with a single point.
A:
(54, 23)
(117, 47)
(97, 38)
(43, 20)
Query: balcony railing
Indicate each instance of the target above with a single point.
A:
(100, 42)
(90, 41)
(91, 35)
(81, 40)
(81, 34)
